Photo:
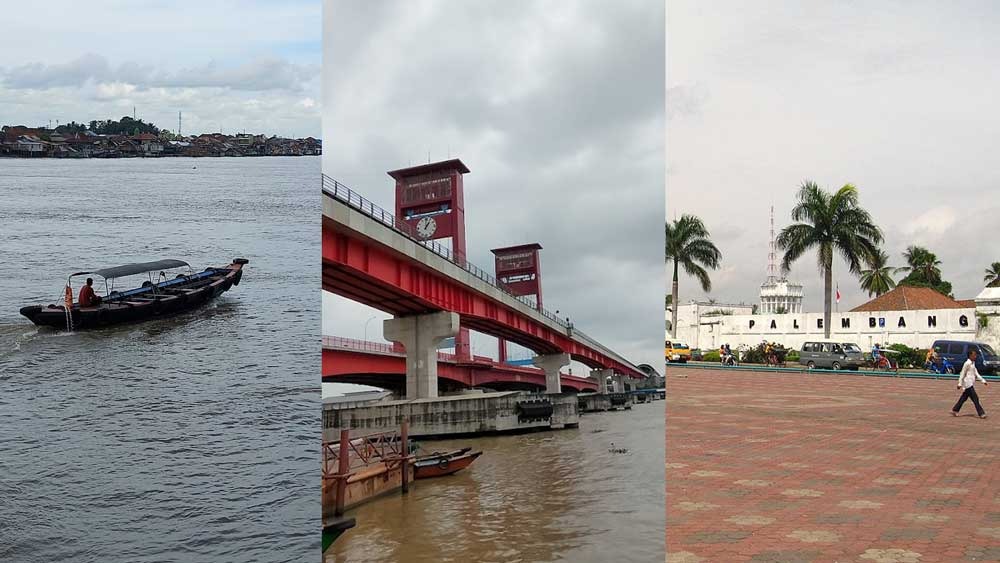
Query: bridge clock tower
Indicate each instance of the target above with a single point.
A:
(517, 268)
(430, 199)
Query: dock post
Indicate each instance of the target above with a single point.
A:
(344, 465)
(403, 432)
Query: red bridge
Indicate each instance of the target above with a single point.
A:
(372, 257)
(346, 360)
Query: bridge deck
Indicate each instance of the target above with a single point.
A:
(372, 258)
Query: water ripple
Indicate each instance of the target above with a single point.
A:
(186, 439)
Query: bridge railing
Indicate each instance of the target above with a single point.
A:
(353, 199)
(360, 345)
(341, 192)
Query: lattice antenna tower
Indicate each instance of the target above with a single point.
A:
(772, 268)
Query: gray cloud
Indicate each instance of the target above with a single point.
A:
(557, 109)
(261, 74)
(258, 70)
(895, 98)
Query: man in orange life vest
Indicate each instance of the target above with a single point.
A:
(87, 296)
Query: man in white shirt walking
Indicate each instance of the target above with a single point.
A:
(967, 380)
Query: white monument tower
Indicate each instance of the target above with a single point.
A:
(777, 294)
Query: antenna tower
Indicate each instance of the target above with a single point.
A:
(772, 270)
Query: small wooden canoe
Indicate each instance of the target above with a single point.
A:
(335, 529)
(441, 464)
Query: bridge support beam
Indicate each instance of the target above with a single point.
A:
(552, 363)
(618, 383)
(602, 375)
(420, 336)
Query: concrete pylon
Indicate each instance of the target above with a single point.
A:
(602, 375)
(618, 381)
(420, 336)
(552, 363)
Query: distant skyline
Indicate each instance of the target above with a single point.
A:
(209, 66)
(897, 98)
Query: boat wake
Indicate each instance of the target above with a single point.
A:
(14, 335)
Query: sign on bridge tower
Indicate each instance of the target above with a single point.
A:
(430, 199)
(517, 268)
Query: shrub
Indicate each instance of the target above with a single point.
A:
(908, 357)
(710, 356)
(755, 355)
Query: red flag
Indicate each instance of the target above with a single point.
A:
(838, 293)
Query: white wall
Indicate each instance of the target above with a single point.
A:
(791, 330)
(692, 313)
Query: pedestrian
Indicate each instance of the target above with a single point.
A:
(967, 381)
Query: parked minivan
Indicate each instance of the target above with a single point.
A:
(830, 354)
(957, 351)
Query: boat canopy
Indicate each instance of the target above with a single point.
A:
(137, 268)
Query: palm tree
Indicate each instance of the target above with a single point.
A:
(993, 274)
(921, 264)
(688, 245)
(877, 279)
(833, 223)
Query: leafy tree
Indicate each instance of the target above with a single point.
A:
(992, 278)
(71, 128)
(923, 270)
(832, 224)
(688, 245)
(921, 262)
(877, 279)
(125, 126)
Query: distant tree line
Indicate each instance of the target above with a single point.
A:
(124, 126)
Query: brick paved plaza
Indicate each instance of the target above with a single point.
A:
(796, 467)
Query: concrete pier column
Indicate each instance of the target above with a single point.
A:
(552, 363)
(602, 375)
(618, 380)
(420, 336)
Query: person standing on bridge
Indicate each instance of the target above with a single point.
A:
(967, 381)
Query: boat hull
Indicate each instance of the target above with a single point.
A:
(181, 295)
(335, 529)
(444, 465)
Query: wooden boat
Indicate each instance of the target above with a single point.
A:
(441, 464)
(156, 297)
(334, 529)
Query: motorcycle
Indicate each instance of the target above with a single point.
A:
(942, 367)
(884, 362)
(729, 360)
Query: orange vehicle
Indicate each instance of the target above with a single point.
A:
(676, 351)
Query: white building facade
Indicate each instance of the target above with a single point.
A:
(780, 296)
(917, 329)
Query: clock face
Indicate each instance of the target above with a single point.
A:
(426, 227)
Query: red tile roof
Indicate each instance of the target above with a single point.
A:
(906, 298)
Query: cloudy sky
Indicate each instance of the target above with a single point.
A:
(898, 98)
(558, 110)
(227, 64)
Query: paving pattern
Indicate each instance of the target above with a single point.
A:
(790, 467)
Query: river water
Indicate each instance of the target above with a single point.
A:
(192, 438)
(540, 497)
